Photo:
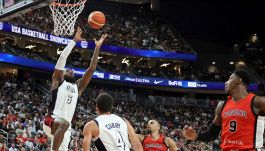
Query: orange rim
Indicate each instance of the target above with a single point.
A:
(66, 5)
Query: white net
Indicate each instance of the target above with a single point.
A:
(65, 13)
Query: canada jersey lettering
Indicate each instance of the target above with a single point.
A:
(154, 145)
(242, 129)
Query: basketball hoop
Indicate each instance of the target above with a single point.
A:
(65, 13)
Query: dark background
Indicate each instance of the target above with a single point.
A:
(220, 22)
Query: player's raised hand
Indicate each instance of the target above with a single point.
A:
(99, 42)
(78, 35)
(189, 133)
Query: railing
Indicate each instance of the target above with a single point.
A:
(178, 101)
(122, 96)
(46, 93)
(150, 101)
(5, 134)
(41, 88)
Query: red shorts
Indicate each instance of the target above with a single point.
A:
(48, 120)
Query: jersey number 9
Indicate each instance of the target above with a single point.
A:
(233, 126)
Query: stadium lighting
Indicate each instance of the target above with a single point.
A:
(165, 64)
(231, 62)
(59, 52)
(213, 62)
(254, 38)
(140, 60)
(125, 61)
(241, 63)
(30, 46)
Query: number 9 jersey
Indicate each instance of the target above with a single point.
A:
(242, 129)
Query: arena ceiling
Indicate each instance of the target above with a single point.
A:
(219, 21)
(131, 1)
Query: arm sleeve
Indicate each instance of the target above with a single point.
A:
(211, 134)
(64, 55)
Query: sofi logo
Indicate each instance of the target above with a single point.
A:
(173, 83)
(99, 74)
(114, 77)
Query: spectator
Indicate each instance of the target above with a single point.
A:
(13, 148)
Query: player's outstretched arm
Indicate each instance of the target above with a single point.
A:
(135, 142)
(84, 81)
(211, 134)
(59, 67)
(88, 132)
(171, 144)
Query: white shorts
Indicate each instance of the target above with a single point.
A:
(66, 139)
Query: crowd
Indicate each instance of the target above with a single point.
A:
(140, 28)
(21, 115)
(23, 108)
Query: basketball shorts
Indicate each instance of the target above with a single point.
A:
(47, 129)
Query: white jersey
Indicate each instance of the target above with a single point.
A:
(113, 134)
(64, 100)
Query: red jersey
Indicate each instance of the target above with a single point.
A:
(154, 145)
(242, 129)
(43, 140)
(21, 139)
(2, 147)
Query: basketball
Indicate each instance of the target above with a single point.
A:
(96, 20)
